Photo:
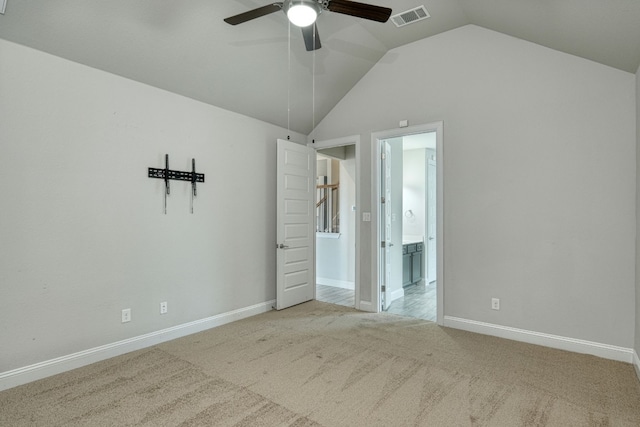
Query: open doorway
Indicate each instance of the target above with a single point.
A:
(336, 225)
(408, 222)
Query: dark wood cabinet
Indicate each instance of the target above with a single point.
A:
(406, 266)
(412, 263)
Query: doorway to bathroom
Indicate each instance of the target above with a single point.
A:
(408, 222)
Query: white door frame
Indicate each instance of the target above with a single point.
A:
(376, 213)
(339, 142)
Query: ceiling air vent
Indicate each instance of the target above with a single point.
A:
(410, 16)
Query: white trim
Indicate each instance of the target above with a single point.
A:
(342, 284)
(336, 142)
(440, 218)
(3, 5)
(321, 235)
(367, 306)
(636, 363)
(605, 351)
(55, 366)
(394, 295)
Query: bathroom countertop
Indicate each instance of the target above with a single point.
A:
(408, 241)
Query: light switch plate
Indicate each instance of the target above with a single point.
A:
(126, 315)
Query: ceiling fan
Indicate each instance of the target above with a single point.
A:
(303, 13)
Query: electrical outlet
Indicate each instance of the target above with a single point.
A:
(126, 315)
(163, 307)
(495, 303)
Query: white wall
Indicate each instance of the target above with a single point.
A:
(539, 177)
(82, 233)
(347, 201)
(414, 192)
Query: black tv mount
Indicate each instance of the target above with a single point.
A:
(168, 174)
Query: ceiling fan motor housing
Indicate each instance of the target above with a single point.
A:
(302, 12)
(310, 9)
(317, 5)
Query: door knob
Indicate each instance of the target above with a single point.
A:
(281, 246)
(430, 238)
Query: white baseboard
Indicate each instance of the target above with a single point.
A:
(343, 284)
(58, 365)
(398, 293)
(605, 351)
(636, 363)
(366, 306)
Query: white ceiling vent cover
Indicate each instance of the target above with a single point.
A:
(410, 16)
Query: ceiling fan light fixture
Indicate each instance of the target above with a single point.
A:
(302, 13)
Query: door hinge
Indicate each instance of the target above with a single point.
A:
(383, 244)
(383, 200)
(383, 156)
(383, 288)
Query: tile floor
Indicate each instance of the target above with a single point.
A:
(334, 295)
(418, 301)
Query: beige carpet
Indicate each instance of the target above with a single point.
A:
(323, 365)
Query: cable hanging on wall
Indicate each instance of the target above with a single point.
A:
(313, 81)
(168, 174)
(314, 33)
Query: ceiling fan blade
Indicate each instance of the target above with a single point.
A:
(310, 42)
(253, 14)
(360, 10)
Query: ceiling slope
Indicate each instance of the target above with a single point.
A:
(261, 68)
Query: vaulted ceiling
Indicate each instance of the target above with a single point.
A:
(261, 68)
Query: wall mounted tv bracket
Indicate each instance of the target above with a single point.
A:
(168, 174)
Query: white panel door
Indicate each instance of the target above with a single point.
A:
(431, 220)
(295, 227)
(386, 226)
